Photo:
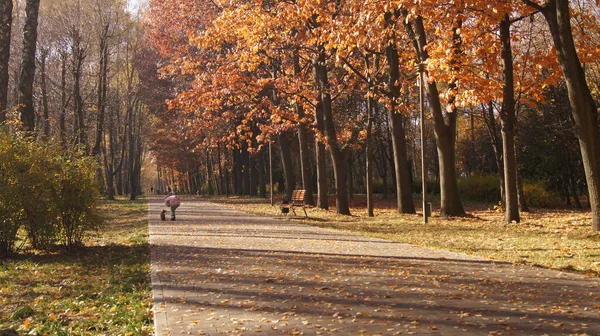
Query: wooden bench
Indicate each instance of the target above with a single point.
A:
(297, 201)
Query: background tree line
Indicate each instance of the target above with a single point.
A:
(69, 74)
(505, 94)
(72, 120)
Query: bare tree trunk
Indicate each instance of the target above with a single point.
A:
(131, 152)
(369, 156)
(63, 99)
(26, 78)
(405, 203)
(305, 170)
(338, 154)
(520, 193)
(237, 172)
(321, 163)
(584, 111)
(222, 183)
(44, 87)
(253, 174)
(508, 119)
(286, 161)
(444, 127)
(78, 57)
(6, 7)
(246, 169)
(102, 89)
(262, 178)
(490, 121)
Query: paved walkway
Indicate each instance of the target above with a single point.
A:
(218, 271)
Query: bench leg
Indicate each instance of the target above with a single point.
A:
(305, 214)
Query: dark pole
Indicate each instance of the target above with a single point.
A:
(422, 108)
(271, 172)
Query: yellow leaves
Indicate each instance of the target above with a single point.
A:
(26, 323)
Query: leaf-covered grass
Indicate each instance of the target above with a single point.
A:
(100, 289)
(556, 239)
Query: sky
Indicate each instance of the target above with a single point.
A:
(134, 5)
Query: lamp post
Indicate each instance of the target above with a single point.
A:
(421, 70)
(271, 171)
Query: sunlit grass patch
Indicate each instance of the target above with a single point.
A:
(100, 289)
(557, 239)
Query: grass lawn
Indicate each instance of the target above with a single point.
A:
(557, 239)
(100, 289)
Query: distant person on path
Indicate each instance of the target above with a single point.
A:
(173, 202)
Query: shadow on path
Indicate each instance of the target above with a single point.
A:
(223, 272)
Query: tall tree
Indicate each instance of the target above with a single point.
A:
(584, 110)
(508, 120)
(25, 99)
(6, 7)
(444, 121)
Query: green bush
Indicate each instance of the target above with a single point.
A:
(538, 195)
(10, 208)
(76, 200)
(47, 191)
(483, 188)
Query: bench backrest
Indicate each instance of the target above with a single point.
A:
(298, 195)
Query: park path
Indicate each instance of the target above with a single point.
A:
(219, 271)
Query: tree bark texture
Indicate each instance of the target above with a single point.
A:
(6, 7)
(25, 89)
(303, 136)
(490, 122)
(78, 58)
(321, 163)
(44, 87)
(338, 155)
(398, 133)
(102, 89)
(508, 119)
(444, 130)
(286, 162)
(583, 107)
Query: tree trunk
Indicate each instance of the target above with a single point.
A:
(78, 58)
(405, 203)
(490, 121)
(6, 7)
(62, 125)
(209, 186)
(582, 103)
(338, 155)
(131, 152)
(26, 78)
(253, 174)
(286, 161)
(102, 89)
(221, 177)
(44, 87)
(303, 143)
(520, 193)
(262, 177)
(444, 129)
(369, 156)
(508, 119)
(321, 163)
(246, 169)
